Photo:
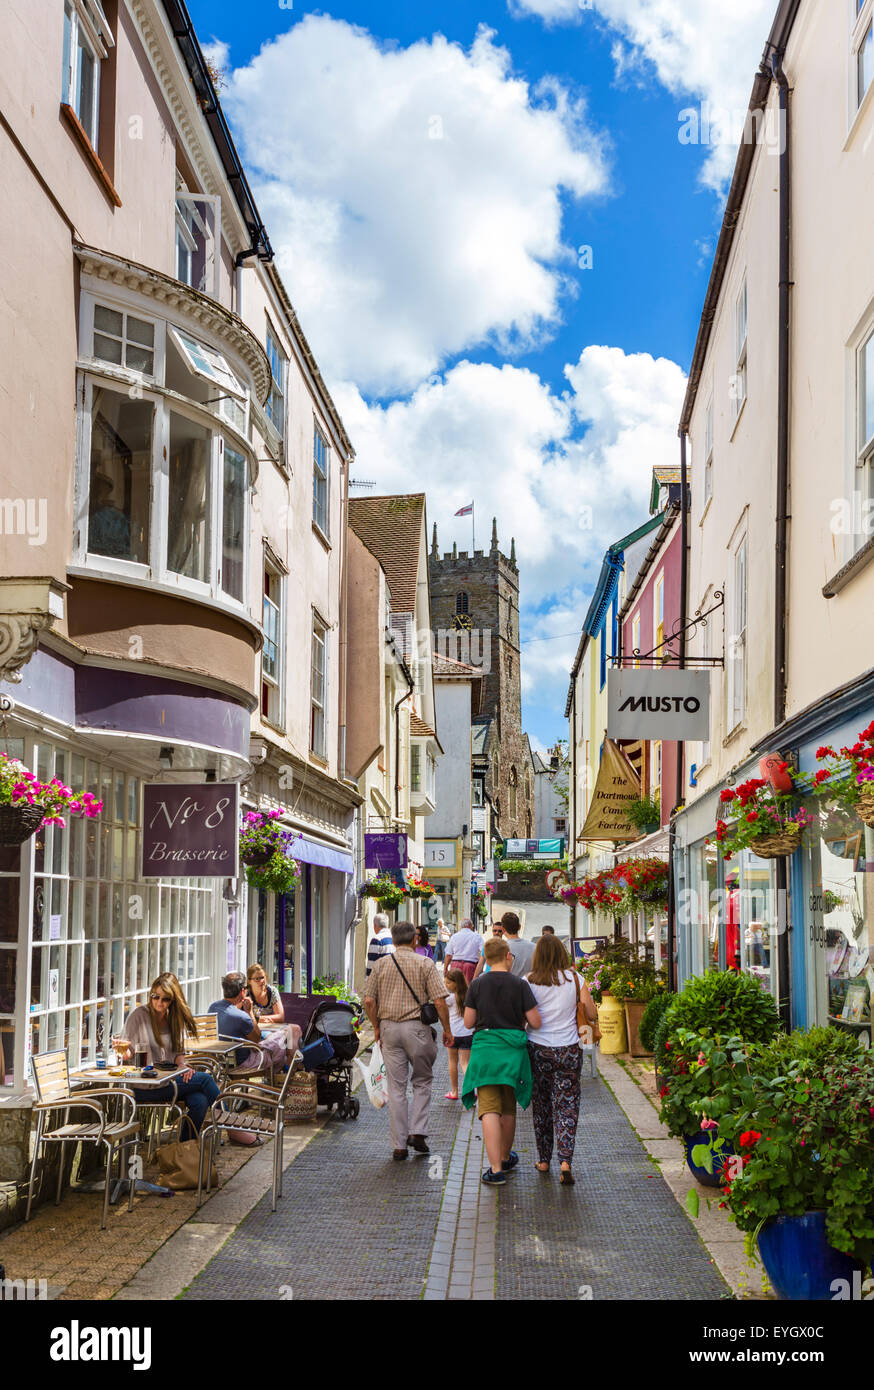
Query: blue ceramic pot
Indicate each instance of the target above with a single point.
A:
(799, 1261)
(699, 1172)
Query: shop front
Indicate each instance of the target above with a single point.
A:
(444, 868)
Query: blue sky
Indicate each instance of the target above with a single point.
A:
(428, 199)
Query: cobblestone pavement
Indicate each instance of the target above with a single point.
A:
(355, 1225)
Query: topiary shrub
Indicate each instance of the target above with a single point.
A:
(652, 1017)
(724, 1002)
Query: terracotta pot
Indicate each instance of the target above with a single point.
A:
(634, 1011)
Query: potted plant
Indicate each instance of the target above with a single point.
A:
(645, 814)
(694, 1095)
(389, 895)
(651, 1018)
(419, 888)
(636, 984)
(281, 874)
(26, 804)
(847, 777)
(718, 1005)
(802, 1183)
(764, 820)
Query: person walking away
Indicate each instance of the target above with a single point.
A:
(463, 950)
(380, 943)
(443, 935)
(423, 943)
(522, 951)
(556, 1058)
(547, 931)
(462, 1038)
(397, 988)
(498, 1076)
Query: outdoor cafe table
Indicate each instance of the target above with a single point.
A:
(98, 1076)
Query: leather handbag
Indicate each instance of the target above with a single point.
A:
(179, 1160)
(427, 1012)
(583, 1020)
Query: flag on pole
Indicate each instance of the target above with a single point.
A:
(465, 511)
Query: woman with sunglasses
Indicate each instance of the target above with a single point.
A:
(160, 1028)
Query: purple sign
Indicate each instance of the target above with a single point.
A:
(385, 851)
(191, 831)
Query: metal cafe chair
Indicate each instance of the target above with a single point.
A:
(51, 1078)
(265, 1117)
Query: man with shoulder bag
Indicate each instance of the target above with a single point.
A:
(403, 996)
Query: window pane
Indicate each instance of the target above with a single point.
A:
(68, 47)
(189, 509)
(109, 320)
(120, 479)
(107, 349)
(867, 392)
(86, 108)
(866, 62)
(233, 522)
(140, 332)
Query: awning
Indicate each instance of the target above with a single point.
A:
(310, 852)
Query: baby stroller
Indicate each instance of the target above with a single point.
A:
(325, 1019)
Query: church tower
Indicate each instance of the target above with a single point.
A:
(475, 618)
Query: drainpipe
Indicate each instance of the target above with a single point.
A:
(572, 838)
(344, 609)
(779, 76)
(401, 701)
(681, 747)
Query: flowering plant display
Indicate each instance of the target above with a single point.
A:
(259, 834)
(387, 893)
(20, 788)
(644, 884)
(330, 984)
(419, 887)
(847, 776)
(760, 815)
(265, 850)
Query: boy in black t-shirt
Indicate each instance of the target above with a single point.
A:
(496, 1010)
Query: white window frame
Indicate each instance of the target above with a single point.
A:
(277, 682)
(323, 523)
(863, 387)
(89, 29)
(635, 638)
(741, 336)
(212, 281)
(319, 637)
(861, 19)
(277, 387)
(708, 452)
(157, 339)
(218, 371)
(737, 646)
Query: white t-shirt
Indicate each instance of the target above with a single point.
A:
(456, 1018)
(464, 945)
(558, 1013)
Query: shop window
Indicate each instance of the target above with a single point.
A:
(751, 918)
(321, 458)
(699, 909)
(271, 652)
(840, 899)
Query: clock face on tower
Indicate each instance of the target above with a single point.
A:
(463, 622)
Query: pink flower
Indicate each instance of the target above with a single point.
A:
(710, 1124)
(702, 1060)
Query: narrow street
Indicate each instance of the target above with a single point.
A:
(354, 1225)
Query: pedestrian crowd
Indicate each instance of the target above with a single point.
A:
(514, 1015)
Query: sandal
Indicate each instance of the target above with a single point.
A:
(542, 1167)
(567, 1178)
(451, 1095)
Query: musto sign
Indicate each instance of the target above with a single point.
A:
(191, 831)
(660, 704)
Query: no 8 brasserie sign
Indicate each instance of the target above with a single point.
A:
(191, 831)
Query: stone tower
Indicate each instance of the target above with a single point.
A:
(475, 599)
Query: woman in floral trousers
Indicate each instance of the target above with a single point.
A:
(556, 1059)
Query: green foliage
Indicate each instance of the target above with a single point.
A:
(698, 1078)
(652, 1015)
(279, 875)
(330, 984)
(723, 1001)
(644, 812)
(531, 866)
(799, 1117)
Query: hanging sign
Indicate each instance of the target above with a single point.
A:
(191, 831)
(615, 787)
(384, 851)
(665, 703)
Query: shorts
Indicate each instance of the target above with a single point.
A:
(495, 1100)
(461, 1043)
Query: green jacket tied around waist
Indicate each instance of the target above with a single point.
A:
(499, 1057)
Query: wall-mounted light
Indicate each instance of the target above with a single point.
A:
(165, 756)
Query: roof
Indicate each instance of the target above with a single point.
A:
(419, 729)
(447, 668)
(479, 736)
(666, 473)
(392, 529)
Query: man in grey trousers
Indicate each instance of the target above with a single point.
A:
(397, 987)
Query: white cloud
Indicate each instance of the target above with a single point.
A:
(565, 475)
(414, 195)
(709, 49)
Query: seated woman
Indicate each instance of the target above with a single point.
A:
(160, 1027)
(267, 1007)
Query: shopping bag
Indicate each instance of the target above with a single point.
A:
(373, 1073)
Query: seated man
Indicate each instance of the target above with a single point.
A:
(236, 1019)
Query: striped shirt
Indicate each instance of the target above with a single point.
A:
(381, 945)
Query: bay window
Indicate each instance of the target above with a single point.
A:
(164, 455)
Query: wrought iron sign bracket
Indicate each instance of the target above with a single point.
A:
(664, 653)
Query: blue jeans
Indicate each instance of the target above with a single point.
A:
(439, 951)
(197, 1094)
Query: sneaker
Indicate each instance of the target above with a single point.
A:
(493, 1179)
(510, 1163)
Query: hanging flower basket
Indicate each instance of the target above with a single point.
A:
(865, 807)
(281, 874)
(847, 776)
(252, 858)
(388, 894)
(18, 823)
(764, 821)
(420, 888)
(777, 846)
(26, 803)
